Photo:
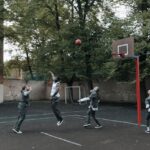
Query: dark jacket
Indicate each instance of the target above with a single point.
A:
(24, 102)
(94, 100)
(147, 102)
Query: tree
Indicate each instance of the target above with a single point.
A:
(46, 30)
(139, 24)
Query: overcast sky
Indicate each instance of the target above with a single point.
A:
(122, 11)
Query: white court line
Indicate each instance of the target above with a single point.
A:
(105, 119)
(34, 115)
(123, 122)
(61, 139)
(116, 121)
(35, 119)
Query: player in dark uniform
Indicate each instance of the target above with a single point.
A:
(55, 98)
(22, 108)
(147, 104)
(93, 107)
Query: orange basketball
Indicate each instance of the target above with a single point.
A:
(78, 42)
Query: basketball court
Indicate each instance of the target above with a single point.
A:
(120, 129)
(123, 125)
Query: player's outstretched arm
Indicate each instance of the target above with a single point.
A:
(52, 74)
(84, 99)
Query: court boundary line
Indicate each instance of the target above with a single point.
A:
(61, 139)
(36, 119)
(116, 121)
(76, 115)
(44, 114)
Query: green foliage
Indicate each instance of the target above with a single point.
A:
(46, 30)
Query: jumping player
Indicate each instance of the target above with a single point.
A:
(55, 97)
(22, 108)
(147, 104)
(93, 107)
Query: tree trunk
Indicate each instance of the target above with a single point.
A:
(58, 27)
(28, 62)
(1, 39)
(70, 83)
(89, 71)
(82, 12)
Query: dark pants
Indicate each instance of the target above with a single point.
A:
(54, 103)
(92, 113)
(21, 117)
(148, 119)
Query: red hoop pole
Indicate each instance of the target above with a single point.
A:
(138, 95)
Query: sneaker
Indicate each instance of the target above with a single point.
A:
(147, 131)
(98, 126)
(59, 123)
(18, 132)
(86, 125)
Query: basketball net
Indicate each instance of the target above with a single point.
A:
(121, 55)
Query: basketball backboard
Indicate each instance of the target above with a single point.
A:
(123, 48)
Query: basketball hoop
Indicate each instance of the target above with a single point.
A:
(124, 48)
(118, 55)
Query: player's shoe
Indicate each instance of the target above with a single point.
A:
(59, 123)
(147, 131)
(87, 125)
(18, 132)
(98, 126)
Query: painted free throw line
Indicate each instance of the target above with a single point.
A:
(61, 139)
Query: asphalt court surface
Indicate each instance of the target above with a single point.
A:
(120, 130)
